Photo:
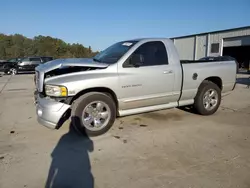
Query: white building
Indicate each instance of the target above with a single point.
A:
(233, 42)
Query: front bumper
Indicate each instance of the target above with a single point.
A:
(49, 112)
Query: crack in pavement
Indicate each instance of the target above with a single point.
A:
(5, 84)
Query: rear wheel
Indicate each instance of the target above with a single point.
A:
(93, 113)
(208, 98)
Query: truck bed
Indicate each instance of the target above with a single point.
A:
(194, 72)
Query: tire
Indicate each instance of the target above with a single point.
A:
(202, 100)
(12, 71)
(8, 72)
(80, 112)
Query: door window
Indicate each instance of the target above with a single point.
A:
(153, 53)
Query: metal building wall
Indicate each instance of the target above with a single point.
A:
(236, 41)
(198, 46)
(218, 38)
(201, 46)
(185, 47)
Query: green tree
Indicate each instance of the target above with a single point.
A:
(20, 46)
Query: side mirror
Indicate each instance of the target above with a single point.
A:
(137, 60)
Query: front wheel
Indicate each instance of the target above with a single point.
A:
(208, 98)
(93, 113)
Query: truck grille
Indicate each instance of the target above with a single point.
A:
(37, 80)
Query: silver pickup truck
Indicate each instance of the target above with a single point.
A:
(129, 77)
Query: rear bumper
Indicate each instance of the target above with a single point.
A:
(49, 112)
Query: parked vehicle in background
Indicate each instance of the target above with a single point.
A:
(5, 65)
(130, 77)
(26, 64)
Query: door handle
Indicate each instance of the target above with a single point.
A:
(167, 72)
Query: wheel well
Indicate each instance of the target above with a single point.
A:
(216, 80)
(107, 91)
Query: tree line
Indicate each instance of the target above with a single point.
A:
(17, 46)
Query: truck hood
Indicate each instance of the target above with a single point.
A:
(70, 62)
(64, 66)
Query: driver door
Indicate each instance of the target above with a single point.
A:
(149, 84)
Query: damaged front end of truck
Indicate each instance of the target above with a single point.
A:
(52, 100)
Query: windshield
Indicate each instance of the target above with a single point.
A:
(113, 53)
(12, 60)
